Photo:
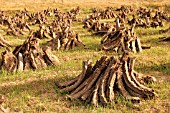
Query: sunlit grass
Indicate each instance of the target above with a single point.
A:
(35, 90)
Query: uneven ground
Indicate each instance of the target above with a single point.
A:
(35, 91)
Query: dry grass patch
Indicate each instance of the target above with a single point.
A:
(35, 91)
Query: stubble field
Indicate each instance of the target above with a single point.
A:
(35, 91)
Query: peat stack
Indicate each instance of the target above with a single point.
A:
(121, 40)
(65, 40)
(103, 82)
(43, 32)
(29, 55)
(99, 28)
(104, 14)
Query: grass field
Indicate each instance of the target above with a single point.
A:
(35, 91)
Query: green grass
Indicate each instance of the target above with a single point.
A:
(35, 91)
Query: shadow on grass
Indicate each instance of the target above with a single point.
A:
(154, 41)
(34, 87)
(151, 31)
(46, 91)
(163, 69)
(34, 95)
(41, 93)
(144, 32)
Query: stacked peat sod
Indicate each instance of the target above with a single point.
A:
(94, 25)
(65, 41)
(104, 81)
(59, 31)
(146, 18)
(17, 24)
(23, 19)
(63, 37)
(104, 14)
(121, 40)
(29, 55)
(142, 17)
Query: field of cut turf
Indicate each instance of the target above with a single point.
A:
(35, 91)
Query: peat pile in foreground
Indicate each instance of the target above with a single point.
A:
(29, 55)
(109, 77)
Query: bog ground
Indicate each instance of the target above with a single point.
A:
(35, 90)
